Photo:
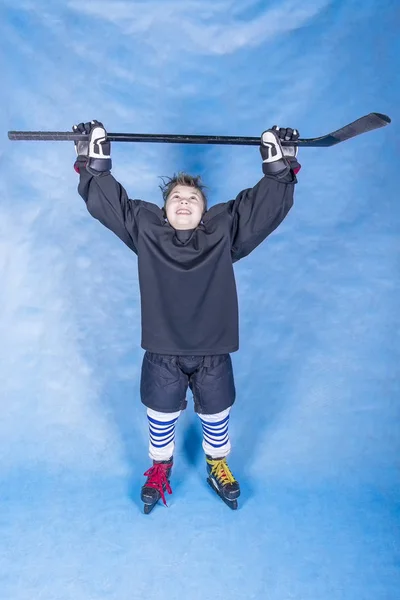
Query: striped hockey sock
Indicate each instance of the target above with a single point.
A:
(216, 441)
(161, 433)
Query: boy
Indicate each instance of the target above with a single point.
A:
(188, 291)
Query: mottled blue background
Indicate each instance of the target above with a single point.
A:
(315, 430)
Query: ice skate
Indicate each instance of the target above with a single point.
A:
(157, 484)
(222, 481)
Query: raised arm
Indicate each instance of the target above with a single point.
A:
(106, 199)
(256, 212)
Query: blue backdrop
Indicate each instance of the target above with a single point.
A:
(315, 430)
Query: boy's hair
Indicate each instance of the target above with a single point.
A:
(182, 179)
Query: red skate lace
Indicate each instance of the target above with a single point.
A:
(158, 479)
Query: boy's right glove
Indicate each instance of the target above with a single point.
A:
(279, 160)
(94, 154)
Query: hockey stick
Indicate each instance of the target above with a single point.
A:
(362, 125)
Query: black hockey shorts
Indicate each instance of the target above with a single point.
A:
(165, 380)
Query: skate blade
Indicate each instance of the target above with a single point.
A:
(233, 504)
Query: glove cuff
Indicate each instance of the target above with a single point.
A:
(286, 175)
(97, 166)
(80, 163)
(279, 168)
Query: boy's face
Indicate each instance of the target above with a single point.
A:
(184, 207)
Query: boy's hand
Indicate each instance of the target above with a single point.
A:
(94, 153)
(279, 160)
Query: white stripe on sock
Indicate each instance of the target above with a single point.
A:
(215, 444)
(161, 447)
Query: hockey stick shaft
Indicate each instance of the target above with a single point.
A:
(161, 138)
(367, 123)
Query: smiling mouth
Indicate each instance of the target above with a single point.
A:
(183, 211)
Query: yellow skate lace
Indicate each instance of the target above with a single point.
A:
(221, 471)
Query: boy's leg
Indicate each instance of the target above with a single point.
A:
(213, 385)
(216, 442)
(217, 446)
(214, 393)
(161, 434)
(163, 389)
(161, 450)
(163, 385)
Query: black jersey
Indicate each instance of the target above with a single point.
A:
(187, 286)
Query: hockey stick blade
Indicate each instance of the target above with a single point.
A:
(362, 125)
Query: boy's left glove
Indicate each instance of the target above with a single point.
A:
(94, 154)
(279, 160)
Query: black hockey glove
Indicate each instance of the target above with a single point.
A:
(94, 154)
(279, 160)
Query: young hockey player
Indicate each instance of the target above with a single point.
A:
(188, 293)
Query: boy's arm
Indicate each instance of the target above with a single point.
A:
(256, 212)
(105, 198)
(107, 201)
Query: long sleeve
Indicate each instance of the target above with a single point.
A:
(108, 202)
(256, 213)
